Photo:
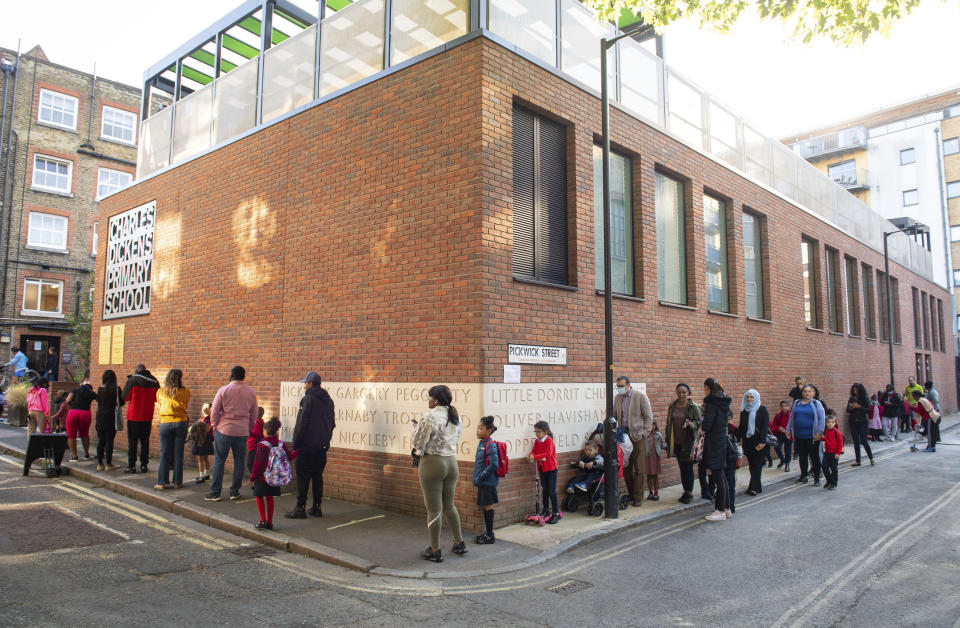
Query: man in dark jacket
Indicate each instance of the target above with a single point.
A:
(52, 367)
(311, 439)
(140, 395)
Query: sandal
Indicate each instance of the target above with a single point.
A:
(158, 487)
(429, 554)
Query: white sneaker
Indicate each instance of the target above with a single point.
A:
(716, 516)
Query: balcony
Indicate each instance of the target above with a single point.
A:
(853, 181)
(832, 143)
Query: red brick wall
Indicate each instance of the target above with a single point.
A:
(370, 239)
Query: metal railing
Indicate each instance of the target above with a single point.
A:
(839, 141)
(858, 179)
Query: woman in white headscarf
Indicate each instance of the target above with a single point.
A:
(754, 426)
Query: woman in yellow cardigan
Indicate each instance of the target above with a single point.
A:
(172, 400)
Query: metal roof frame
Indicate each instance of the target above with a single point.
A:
(216, 33)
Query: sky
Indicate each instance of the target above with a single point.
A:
(781, 87)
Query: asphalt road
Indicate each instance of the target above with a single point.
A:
(882, 550)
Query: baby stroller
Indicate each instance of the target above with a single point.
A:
(594, 491)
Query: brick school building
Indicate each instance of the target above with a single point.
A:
(435, 221)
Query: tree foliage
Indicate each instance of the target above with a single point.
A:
(81, 322)
(841, 21)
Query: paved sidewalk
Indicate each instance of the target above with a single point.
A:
(377, 541)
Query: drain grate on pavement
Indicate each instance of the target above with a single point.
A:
(253, 551)
(39, 528)
(569, 587)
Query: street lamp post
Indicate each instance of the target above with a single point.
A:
(910, 230)
(611, 507)
(886, 270)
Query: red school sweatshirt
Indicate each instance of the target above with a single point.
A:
(545, 454)
(832, 441)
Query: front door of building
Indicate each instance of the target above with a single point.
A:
(35, 348)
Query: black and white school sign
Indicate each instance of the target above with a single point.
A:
(126, 286)
(536, 354)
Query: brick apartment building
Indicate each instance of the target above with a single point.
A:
(67, 139)
(405, 219)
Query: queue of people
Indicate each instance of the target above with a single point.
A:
(706, 435)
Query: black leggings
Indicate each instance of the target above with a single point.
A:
(105, 438)
(859, 433)
(722, 494)
(807, 450)
(548, 481)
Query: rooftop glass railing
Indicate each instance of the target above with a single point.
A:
(560, 33)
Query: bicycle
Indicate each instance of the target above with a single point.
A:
(29, 377)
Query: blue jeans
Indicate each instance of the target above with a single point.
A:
(222, 445)
(785, 444)
(172, 438)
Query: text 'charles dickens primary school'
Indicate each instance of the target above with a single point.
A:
(407, 195)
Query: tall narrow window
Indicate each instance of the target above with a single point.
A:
(917, 325)
(919, 360)
(671, 241)
(895, 291)
(753, 264)
(869, 302)
(808, 252)
(943, 338)
(853, 296)
(621, 222)
(715, 230)
(884, 306)
(934, 340)
(926, 325)
(539, 198)
(928, 367)
(834, 291)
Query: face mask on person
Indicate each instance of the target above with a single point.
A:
(622, 390)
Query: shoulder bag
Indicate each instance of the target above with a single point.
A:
(697, 452)
(118, 414)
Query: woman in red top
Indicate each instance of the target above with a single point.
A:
(261, 490)
(545, 455)
(832, 449)
(778, 427)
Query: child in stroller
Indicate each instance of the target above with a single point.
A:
(591, 486)
(590, 465)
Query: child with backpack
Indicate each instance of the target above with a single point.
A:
(485, 477)
(544, 453)
(201, 434)
(271, 471)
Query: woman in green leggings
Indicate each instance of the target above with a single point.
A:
(435, 439)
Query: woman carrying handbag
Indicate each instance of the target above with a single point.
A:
(109, 419)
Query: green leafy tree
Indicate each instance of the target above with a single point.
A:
(80, 336)
(843, 22)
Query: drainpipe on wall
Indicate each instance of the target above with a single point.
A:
(93, 91)
(6, 193)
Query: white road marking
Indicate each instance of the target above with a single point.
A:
(350, 523)
(93, 522)
(819, 596)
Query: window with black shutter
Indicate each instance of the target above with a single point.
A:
(539, 198)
